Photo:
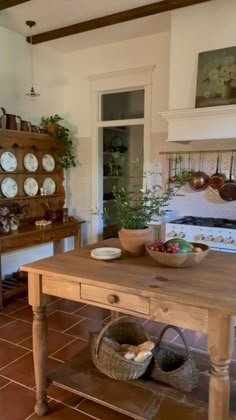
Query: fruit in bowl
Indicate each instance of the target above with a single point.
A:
(177, 252)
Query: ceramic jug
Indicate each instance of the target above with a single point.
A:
(25, 125)
(11, 119)
(3, 113)
(35, 129)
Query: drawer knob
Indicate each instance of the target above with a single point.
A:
(113, 299)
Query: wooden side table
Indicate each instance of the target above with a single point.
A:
(29, 236)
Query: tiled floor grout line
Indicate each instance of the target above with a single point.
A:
(79, 322)
(18, 358)
(15, 344)
(77, 310)
(15, 310)
(9, 323)
(89, 415)
(19, 383)
(70, 342)
(8, 383)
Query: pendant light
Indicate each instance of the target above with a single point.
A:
(30, 24)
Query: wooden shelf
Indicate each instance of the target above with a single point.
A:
(12, 287)
(134, 398)
(139, 399)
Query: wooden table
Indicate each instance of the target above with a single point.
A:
(30, 235)
(201, 298)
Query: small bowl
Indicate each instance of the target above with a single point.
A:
(180, 260)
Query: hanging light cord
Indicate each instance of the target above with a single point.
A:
(32, 92)
(31, 60)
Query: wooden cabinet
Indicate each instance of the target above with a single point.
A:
(29, 173)
(30, 162)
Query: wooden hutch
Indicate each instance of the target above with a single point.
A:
(31, 174)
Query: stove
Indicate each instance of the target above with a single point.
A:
(218, 233)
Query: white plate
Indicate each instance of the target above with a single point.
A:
(9, 187)
(31, 162)
(106, 253)
(31, 186)
(48, 163)
(49, 186)
(8, 161)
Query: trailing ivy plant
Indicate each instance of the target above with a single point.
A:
(65, 148)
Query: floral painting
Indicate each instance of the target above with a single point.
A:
(216, 79)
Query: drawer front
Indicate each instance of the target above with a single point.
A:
(57, 234)
(115, 299)
(18, 241)
(61, 288)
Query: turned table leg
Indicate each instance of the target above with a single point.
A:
(40, 358)
(220, 346)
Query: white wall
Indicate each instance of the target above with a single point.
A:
(79, 65)
(203, 27)
(15, 81)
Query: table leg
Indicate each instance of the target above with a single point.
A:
(220, 347)
(40, 358)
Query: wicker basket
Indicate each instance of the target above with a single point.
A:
(104, 352)
(175, 369)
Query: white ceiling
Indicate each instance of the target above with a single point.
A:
(52, 14)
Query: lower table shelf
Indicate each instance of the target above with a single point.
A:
(12, 287)
(139, 399)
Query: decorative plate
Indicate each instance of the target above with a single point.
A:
(106, 253)
(49, 186)
(8, 161)
(31, 162)
(9, 187)
(31, 186)
(48, 163)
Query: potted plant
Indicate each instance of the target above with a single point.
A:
(10, 214)
(137, 199)
(65, 151)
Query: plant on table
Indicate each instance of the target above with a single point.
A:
(138, 198)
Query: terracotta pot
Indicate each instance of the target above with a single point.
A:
(133, 241)
(51, 128)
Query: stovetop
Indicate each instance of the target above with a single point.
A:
(206, 222)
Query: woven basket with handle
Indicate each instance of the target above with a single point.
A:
(173, 368)
(104, 347)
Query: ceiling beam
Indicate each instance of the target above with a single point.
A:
(101, 22)
(5, 4)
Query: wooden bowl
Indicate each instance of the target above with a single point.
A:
(180, 260)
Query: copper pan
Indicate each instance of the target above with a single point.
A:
(228, 190)
(217, 179)
(199, 180)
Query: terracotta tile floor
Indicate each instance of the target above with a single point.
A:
(69, 324)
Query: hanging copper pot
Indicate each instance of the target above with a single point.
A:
(217, 179)
(228, 190)
(199, 180)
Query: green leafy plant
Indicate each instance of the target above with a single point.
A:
(138, 198)
(65, 150)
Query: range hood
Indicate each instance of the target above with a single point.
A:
(209, 123)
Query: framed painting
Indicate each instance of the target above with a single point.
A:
(216, 78)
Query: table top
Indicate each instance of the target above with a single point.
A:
(210, 284)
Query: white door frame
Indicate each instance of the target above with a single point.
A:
(117, 81)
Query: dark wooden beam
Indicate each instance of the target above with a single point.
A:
(5, 4)
(131, 14)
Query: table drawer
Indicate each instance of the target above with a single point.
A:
(15, 242)
(117, 299)
(57, 234)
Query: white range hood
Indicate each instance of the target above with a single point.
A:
(210, 123)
